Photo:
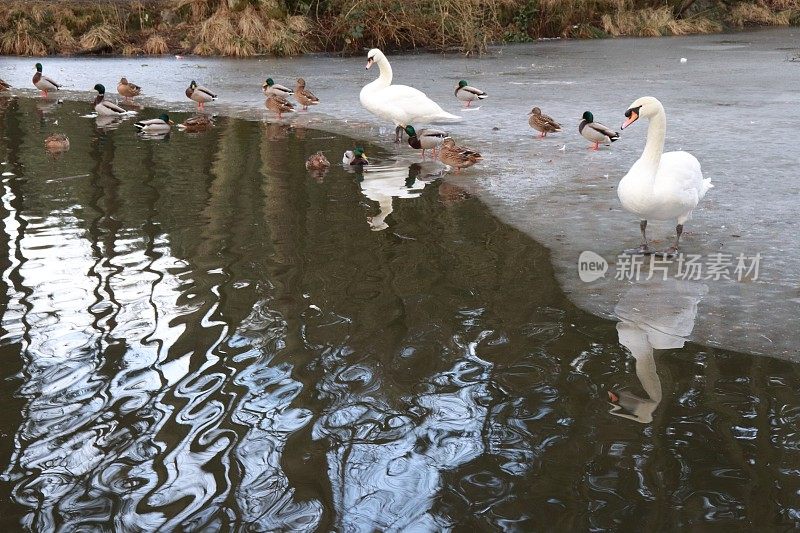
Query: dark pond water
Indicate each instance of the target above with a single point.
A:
(199, 335)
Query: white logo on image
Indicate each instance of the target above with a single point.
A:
(591, 266)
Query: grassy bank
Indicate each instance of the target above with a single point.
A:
(287, 27)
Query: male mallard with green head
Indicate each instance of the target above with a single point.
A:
(542, 123)
(43, 83)
(199, 94)
(355, 157)
(456, 156)
(425, 139)
(271, 88)
(104, 107)
(596, 132)
(469, 94)
(156, 126)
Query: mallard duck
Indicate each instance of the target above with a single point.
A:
(468, 94)
(399, 104)
(660, 186)
(195, 124)
(317, 161)
(4, 86)
(199, 94)
(425, 139)
(271, 88)
(278, 104)
(303, 95)
(104, 107)
(596, 132)
(162, 124)
(43, 83)
(542, 123)
(127, 89)
(355, 157)
(56, 142)
(456, 156)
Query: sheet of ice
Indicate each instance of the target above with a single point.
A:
(734, 104)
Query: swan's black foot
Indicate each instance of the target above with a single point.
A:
(641, 250)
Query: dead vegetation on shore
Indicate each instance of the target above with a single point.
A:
(243, 28)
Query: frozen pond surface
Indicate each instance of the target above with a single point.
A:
(734, 104)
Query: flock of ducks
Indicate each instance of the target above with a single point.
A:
(659, 186)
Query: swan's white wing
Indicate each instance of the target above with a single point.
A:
(679, 183)
(404, 105)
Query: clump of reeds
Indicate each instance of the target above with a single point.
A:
(155, 45)
(756, 13)
(654, 22)
(21, 39)
(64, 41)
(467, 25)
(102, 37)
(249, 32)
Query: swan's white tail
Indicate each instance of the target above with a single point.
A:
(444, 118)
(706, 186)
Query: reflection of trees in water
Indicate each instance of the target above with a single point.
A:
(386, 463)
(127, 416)
(211, 302)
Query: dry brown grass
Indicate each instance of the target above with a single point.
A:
(747, 13)
(130, 49)
(20, 39)
(64, 41)
(156, 45)
(282, 27)
(395, 24)
(654, 22)
(100, 38)
(248, 32)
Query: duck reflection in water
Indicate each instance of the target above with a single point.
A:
(107, 122)
(382, 184)
(655, 315)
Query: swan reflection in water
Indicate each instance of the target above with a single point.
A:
(655, 315)
(382, 184)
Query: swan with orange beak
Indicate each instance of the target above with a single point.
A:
(660, 186)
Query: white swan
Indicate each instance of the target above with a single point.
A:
(660, 186)
(400, 104)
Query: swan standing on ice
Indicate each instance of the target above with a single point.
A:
(660, 186)
(400, 104)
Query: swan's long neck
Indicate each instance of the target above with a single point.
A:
(385, 79)
(654, 146)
